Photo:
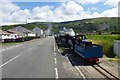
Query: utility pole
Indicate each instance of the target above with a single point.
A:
(26, 28)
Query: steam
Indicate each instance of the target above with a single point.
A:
(49, 31)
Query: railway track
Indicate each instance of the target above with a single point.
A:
(98, 68)
(105, 72)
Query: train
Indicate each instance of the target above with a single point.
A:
(83, 47)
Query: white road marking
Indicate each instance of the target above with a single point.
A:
(7, 48)
(58, 50)
(79, 71)
(31, 48)
(54, 46)
(54, 54)
(11, 60)
(11, 47)
(56, 73)
(3, 49)
(55, 60)
(40, 43)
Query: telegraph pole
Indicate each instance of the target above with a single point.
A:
(26, 28)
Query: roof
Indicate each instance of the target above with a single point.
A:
(20, 30)
(3, 32)
(15, 32)
(36, 27)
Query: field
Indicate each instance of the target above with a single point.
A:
(107, 41)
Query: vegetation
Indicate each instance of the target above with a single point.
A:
(84, 26)
(90, 25)
(106, 41)
(29, 26)
(116, 59)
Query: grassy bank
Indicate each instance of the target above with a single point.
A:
(107, 41)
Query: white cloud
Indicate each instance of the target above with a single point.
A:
(20, 16)
(72, 7)
(111, 13)
(67, 11)
(113, 3)
(88, 1)
(42, 13)
(6, 9)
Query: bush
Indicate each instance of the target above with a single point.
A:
(107, 41)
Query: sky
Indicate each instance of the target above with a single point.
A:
(27, 11)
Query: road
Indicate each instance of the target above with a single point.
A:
(34, 59)
(40, 58)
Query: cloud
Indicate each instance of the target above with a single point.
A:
(111, 12)
(113, 3)
(88, 1)
(6, 9)
(67, 11)
(20, 16)
(72, 7)
(42, 12)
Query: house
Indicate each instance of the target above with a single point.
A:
(22, 32)
(4, 36)
(103, 26)
(37, 31)
(31, 34)
(16, 33)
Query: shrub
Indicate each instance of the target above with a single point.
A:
(107, 41)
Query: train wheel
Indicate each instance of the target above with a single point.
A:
(93, 60)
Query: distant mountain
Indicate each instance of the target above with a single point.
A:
(86, 25)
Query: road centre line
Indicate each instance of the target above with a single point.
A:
(56, 73)
(55, 60)
(11, 60)
(54, 46)
(40, 43)
(32, 48)
(54, 54)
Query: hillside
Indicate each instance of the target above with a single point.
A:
(90, 25)
(86, 25)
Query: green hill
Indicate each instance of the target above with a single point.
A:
(104, 24)
(90, 25)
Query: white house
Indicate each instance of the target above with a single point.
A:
(22, 32)
(4, 35)
(37, 31)
(15, 34)
(31, 34)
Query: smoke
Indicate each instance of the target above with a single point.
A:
(49, 31)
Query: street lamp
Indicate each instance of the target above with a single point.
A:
(26, 28)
